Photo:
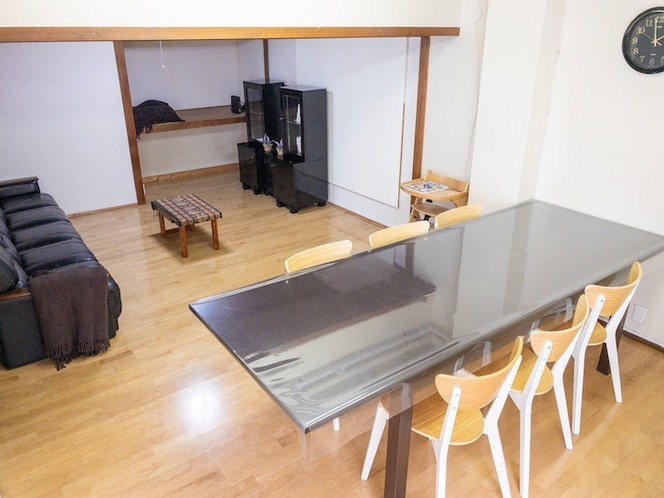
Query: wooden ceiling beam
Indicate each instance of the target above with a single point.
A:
(37, 34)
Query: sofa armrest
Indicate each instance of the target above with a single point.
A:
(20, 336)
(19, 186)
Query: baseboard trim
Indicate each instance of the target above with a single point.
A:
(224, 168)
(643, 340)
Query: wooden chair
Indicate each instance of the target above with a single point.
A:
(453, 417)
(535, 378)
(457, 215)
(314, 256)
(397, 233)
(424, 202)
(609, 304)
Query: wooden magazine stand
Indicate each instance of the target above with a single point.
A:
(426, 192)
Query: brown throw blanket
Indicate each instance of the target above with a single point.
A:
(72, 305)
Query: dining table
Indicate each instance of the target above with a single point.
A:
(325, 341)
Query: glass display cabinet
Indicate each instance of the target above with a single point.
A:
(262, 106)
(299, 177)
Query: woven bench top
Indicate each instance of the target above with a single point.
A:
(186, 209)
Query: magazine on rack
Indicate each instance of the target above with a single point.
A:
(427, 187)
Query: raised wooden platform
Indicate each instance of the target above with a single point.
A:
(201, 117)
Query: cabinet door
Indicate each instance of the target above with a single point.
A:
(262, 110)
(248, 163)
(292, 112)
(255, 116)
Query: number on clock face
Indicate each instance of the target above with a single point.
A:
(643, 43)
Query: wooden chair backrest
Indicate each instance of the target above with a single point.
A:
(325, 253)
(458, 185)
(478, 391)
(615, 296)
(561, 338)
(397, 233)
(457, 215)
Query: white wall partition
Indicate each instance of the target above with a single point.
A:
(61, 119)
(366, 82)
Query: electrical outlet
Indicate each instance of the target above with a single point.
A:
(639, 313)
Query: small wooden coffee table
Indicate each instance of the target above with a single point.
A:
(185, 211)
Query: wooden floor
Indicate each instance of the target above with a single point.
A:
(167, 412)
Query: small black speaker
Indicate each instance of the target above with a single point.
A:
(236, 105)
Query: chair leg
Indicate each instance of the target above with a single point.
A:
(561, 401)
(440, 450)
(525, 406)
(382, 415)
(612, 350)
(499, 460)
(486, 353)
(524, 450)
(335, 425)
(577, 395)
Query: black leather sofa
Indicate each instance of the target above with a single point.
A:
(36, 237)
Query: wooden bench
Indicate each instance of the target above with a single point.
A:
(185, 211)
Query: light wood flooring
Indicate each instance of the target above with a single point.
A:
(166, 411)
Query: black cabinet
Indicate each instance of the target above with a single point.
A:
(299, 178)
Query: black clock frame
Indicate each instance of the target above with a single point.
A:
(627, 45)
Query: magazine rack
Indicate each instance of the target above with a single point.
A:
(430, 194)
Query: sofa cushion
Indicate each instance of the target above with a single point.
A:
(4, 230)
(7, 243)
(41, 235)
(34, 217)
(29, 201)
(8, 274)
(57, 255)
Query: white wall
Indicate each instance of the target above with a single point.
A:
(601, 153)
(189, 74)
(205, 13)
(454, 78)
(185, 74)
(582, 133)
(61, 119)
(515, 90)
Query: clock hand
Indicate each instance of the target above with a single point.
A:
(655, 40)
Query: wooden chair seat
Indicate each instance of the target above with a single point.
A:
(598, 335)
(429, 415)
(529, 359)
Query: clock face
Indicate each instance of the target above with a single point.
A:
(643, 43)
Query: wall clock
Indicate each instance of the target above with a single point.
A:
(643, 43)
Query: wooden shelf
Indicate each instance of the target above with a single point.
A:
(202, 117)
